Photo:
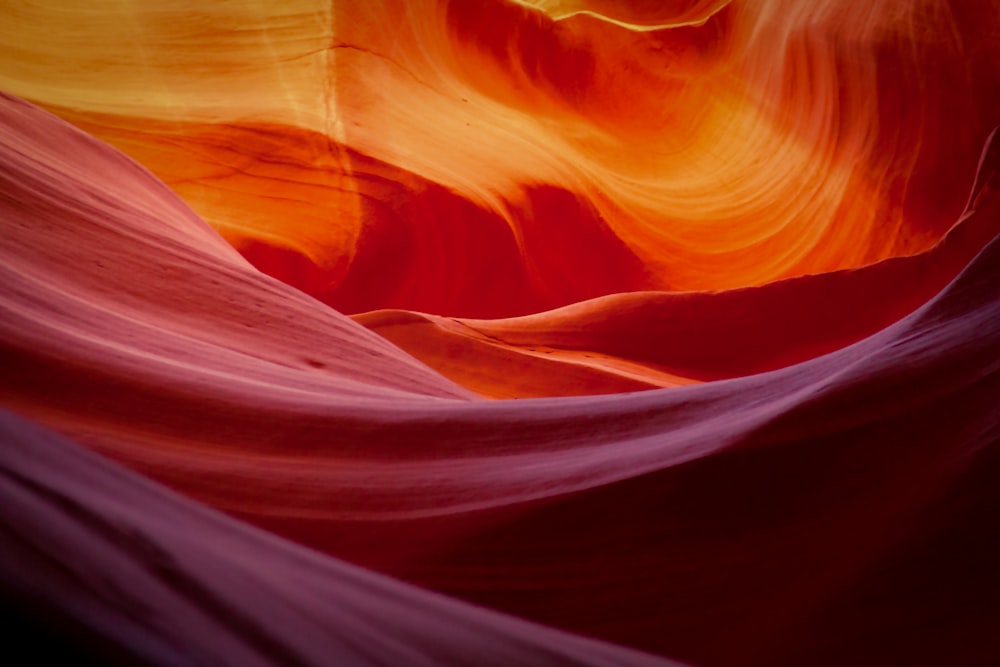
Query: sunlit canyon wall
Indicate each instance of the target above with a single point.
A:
(270, 274)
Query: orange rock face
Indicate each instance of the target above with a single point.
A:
(740, 258)
(504, 158)
(492, 159)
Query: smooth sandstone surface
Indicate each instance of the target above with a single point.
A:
(265, 270)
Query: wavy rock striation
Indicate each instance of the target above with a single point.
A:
(726, 252)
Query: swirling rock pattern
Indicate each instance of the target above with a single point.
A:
(740, 259)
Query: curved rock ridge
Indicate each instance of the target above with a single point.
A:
(106, 268)
(153, 581)
(815, 513)
(640, 340)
